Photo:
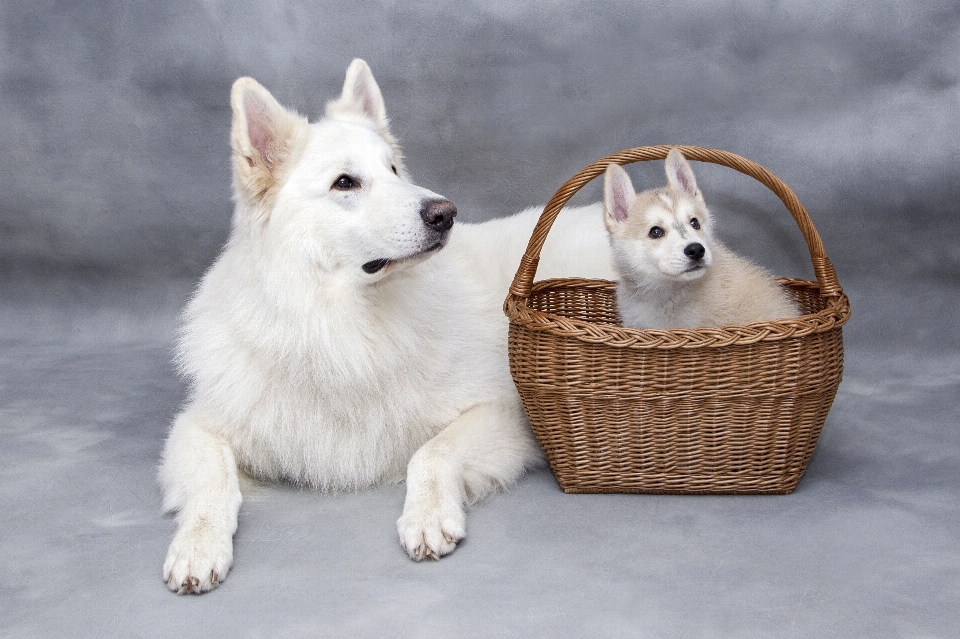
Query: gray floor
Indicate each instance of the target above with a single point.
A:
(868, 545)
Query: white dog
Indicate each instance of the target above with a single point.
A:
(349, 335)
(672, 272)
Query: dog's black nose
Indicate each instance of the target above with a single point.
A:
(694, 251)
(438, 214)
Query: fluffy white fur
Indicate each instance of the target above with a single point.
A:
(672, 272)
(305, 367)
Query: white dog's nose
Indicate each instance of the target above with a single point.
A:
(438, 214)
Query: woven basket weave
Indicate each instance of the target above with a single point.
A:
(736, 409)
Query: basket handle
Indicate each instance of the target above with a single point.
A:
(826, 276)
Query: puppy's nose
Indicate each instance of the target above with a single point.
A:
(438, 214)
(694, 251)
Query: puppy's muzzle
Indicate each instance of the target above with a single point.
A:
(438, 214)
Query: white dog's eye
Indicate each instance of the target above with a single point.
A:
(695, 223)
(656, 232)
(393, 168)
(345, 183)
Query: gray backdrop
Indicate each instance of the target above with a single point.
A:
(114, 198)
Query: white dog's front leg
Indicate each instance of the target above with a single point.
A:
(200, 482)
(488, 446)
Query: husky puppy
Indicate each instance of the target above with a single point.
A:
(672, 272)
(348, 335)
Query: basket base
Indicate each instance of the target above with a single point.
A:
(665, 484)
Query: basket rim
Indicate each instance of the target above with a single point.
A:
(834, 315)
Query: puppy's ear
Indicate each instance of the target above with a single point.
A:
(679, 174)
(360, 97)
(618, 195)
(264, 135)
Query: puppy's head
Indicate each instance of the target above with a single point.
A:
(660, 234)
(334, 193)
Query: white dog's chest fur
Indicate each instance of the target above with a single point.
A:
(302, 388)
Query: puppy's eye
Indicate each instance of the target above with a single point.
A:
(656, 232)
(345, 183)
(393, 168)
(695, 223)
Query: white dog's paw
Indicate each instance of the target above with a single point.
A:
(198, 560)
(430, 532)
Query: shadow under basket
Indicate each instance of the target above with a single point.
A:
(735, 409)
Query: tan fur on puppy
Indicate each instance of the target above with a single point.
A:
(672, 272)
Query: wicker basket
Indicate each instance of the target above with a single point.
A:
(736, 409)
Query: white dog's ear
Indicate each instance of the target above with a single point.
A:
(618, 195)
(360, 97)
(679, 174)
(361, 101)
(263, 137)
